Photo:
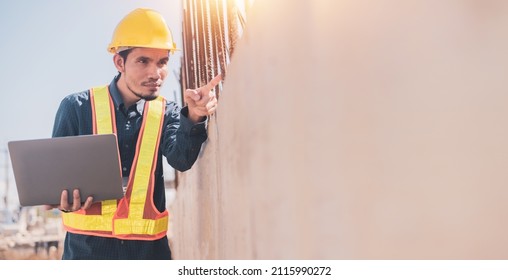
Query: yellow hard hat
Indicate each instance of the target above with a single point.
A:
(142, 28)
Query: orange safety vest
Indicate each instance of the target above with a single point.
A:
(135, 215)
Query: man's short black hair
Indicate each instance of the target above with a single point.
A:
(125, 53)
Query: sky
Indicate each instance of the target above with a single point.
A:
(52, 48)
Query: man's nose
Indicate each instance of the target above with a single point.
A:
(155, 72)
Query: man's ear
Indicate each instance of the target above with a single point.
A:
(119, 63)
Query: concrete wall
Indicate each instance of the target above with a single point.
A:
(356, 130)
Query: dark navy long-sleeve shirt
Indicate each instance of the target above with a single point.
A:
(180, 144)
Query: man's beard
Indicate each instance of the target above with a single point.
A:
(147, 98)
(141, 96)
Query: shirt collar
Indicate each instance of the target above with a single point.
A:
(117, 98)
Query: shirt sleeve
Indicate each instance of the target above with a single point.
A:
(181, 140)
(66, 120)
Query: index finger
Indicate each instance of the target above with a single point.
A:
(214, 82)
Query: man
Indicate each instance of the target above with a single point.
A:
(147, 127)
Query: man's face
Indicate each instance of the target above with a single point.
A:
(144, 72)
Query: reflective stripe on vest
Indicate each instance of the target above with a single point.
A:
(136, 216)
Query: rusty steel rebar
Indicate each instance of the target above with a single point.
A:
(211, 29)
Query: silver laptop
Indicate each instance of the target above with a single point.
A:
(44, 167)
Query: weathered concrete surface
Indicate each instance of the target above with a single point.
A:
(356, 130)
